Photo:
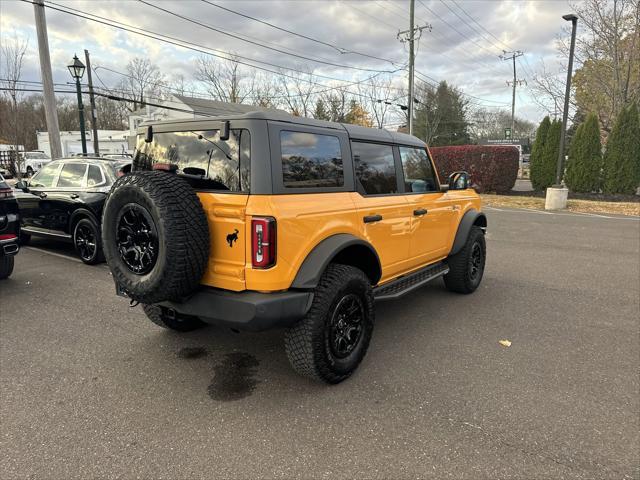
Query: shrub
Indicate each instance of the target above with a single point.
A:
(492, 169)
(621, 166)
(545, 171)
(585, 158)
(535, 160)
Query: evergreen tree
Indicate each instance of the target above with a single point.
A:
(320, 112)
(621, 166)
(549, 157)
(585, 157)
(535, 160)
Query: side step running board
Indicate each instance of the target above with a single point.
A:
(407, 283)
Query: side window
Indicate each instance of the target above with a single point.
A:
(375, 167)
(72, 175)
(94, 177)
(418, 172)
(310, 160)
(45, 177)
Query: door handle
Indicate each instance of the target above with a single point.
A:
(74, 196)
(419, 212)
(43, 195)
(372, 218)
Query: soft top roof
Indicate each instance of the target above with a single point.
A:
(356, 132)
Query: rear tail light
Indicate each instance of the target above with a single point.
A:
(6, 193)
(8, 236)
(263, 242)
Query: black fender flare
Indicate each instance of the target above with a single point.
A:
(79, 213)
(469, 219)
(322, 254)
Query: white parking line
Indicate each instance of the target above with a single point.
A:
(562, 214)
(53, 253)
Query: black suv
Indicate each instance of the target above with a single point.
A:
(64, 201)
(9, 229)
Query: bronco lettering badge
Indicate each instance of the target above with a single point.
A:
(232, 237)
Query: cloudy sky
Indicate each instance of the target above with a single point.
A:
(463, 46)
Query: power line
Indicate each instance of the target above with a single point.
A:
(500, 47)
(340, 50)
(454, 28)
(191, 45)
(252, 42)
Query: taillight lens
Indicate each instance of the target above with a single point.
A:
(6, 193)
(8, 236)
(263, 242)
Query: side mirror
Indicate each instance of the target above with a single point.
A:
(224, 131)
(22, 185)
(148, 138)
(459, 181)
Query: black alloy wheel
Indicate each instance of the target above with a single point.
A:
(476, 261)
(346, 326)
(87, 242)
(137, 238)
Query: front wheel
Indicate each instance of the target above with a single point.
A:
(467, 266)
(329, 343)
(6, 266)
(86, 240)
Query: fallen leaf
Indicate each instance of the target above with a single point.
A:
(505, 343)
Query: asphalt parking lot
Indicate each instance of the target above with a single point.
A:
(91, 389)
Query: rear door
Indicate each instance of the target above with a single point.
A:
(68, 194)
(381, 205)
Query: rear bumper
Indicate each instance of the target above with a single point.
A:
(251, 311)
(9, 247)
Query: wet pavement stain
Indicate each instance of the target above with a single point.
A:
(192, 352)
(234, 377)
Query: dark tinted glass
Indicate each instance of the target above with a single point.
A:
(310, 160)
(94, 177)
(418, 173)
(45, 177)
(72, 175)
(201, 157)
(375, 167)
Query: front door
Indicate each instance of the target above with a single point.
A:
(432, 210)
(32, 211)
(384, 210)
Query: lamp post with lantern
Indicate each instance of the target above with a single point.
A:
(77, 71)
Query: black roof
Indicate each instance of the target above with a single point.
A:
(355, 131)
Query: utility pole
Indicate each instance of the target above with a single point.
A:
(92, 101)
(410, 36)
(50, 110)
(512, 56)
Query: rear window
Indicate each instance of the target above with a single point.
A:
(72, 175)
(310, 160)
(201, 157)
(375, 168)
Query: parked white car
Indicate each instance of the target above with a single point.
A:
(34, 161)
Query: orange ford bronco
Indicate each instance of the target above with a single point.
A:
(265, 220)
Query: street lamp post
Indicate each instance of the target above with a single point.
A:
(574, 21)
(77, 71)
(557, 194)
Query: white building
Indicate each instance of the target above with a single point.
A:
(109, 141)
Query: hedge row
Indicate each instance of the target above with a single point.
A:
(492, 169)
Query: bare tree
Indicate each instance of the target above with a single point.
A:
(379, 98)
(267, 91)
(144, 80)
(225, 79)
(298, 92)
(13, 52)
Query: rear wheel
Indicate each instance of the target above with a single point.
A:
(86, 240)
(467, 266)
(163, 318)
(6, 266)
(331, 341)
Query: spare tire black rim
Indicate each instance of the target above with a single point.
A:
(346, 326)
(475, 261)
(85, 241)
(137, 239)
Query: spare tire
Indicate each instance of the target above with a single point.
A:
(155, 236)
